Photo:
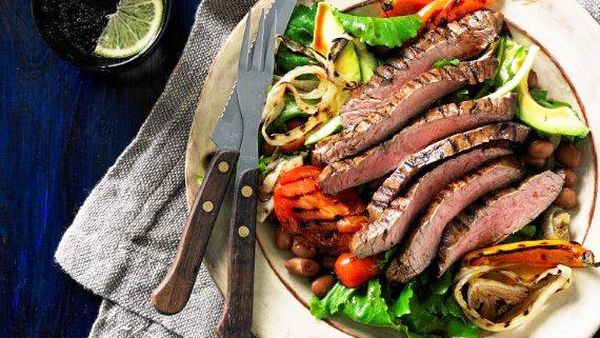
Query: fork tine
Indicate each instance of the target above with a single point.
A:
(269, 52)
(245, 50)
(259, 44)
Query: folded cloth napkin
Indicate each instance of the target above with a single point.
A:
(124, 237)
(593, 6)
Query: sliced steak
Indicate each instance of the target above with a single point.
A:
(386, 231)
(436, 124)
(422, 245)
(372, 127)
(498, 216)
(461, 39)
(443, 149)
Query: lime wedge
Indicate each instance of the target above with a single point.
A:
(131, 29)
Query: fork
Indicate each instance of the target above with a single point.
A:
(255, 74)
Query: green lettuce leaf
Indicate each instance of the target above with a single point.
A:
(199, 178)
(301, 26)
(445, 62)
(390, 32)
(263, 161)
(527, 233)
(300, 29)
(402, 305)
(541, 97)
(423, 308)
(433, 310)
(288, 60)
(367, 308)
(386, 257)
(331, 303)
(460, 329)
(440, 286)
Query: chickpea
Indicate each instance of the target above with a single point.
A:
(567, 199)
(303, 250)
(540, 149)
(302, 267)
(568, 155)
(322, 285)
(283, 239)
(570, 178)
(537, 163)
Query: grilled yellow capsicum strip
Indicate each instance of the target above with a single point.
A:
(542, 253)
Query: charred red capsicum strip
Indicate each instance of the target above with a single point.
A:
(304, 210)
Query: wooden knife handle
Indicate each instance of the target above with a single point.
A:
(236, 319)
(173, 293)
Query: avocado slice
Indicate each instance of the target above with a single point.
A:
(329, 128)
(353, 61)
(347, 64)
(367, 61)
(553, 121)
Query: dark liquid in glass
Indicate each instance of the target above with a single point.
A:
(72, 29)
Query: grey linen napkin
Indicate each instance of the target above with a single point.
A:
(593, 6)
(124, 237)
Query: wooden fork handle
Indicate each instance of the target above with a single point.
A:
(236, 319)
(173, 293)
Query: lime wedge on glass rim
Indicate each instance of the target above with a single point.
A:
(131, 29)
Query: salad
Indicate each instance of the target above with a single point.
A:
(421, 178)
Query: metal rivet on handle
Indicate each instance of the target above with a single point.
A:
(223, 167)
(208, 206)
(247, 191)
(243, 231)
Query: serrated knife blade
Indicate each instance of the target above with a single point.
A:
(227, 132)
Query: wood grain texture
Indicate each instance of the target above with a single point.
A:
(236, 318)
(173, 293)
(61, 129)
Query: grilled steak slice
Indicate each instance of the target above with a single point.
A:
(372, 127)
(461, 39)
(498, 216)
(386, 231)
(413, 164)
(422, 245)
(436, 124)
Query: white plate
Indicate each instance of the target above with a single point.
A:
(569, 69)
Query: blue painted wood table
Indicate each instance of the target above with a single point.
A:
(60, 130)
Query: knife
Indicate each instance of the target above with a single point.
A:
(174, 291)
(255, 75)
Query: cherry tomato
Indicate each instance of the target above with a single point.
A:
(353, 272)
